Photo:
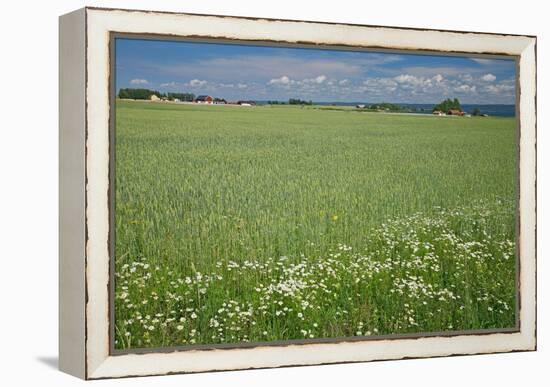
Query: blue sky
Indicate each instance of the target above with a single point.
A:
(235, 72)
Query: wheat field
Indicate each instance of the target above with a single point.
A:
(263, 223)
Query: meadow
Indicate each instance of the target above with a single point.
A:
(253, 224)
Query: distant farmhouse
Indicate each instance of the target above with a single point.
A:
(455, 112)
(204, 99)
(450, 107)
(450, 112)
(246, 103)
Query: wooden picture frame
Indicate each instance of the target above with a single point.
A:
(86, 178)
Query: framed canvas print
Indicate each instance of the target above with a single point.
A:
(244, 193)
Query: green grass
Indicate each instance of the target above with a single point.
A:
(356, 223)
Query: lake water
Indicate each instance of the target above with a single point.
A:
(492, 110)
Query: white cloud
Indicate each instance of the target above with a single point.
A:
(139, 82)
(465, 89)
(500, 88)
(284, 80)
(242, 85)
(320, 78)
(409, 79)
(197, 83)
(488, 77)
(169, 84)
(343, 82)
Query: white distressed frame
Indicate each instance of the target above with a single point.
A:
(84, 319)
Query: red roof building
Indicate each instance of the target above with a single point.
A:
(204, 99)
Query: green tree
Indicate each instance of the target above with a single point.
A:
(447, 105)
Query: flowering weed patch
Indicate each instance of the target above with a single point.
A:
(417, 274)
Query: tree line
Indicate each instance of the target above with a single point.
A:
(291, 101)
(386, 106)
(129, 93)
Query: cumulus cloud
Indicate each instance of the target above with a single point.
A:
(488, 77)
(139, 82)
(320, 78)
(480, 87)
(465, 88)
(412, 80)
(406, 78)
(500, 88)
(284, 80)
(197, 83)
